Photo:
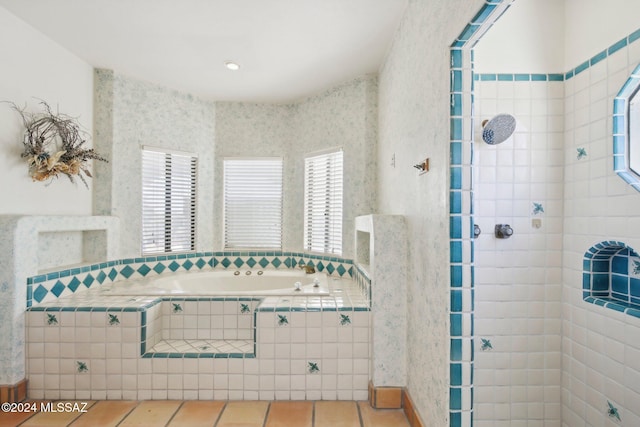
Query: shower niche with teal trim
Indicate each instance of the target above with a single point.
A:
(611, 277)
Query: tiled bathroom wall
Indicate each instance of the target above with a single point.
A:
(518, 280)
(601, 346)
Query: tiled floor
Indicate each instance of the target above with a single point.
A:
(209, 413)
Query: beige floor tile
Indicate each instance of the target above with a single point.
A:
(105, 413)
(243, 414)
(10, 419)
(288, 414)
(151, 413)
(382, 417)
(197, 413)
(61, 417)
(336, 414)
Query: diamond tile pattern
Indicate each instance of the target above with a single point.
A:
(47, 287)
(204, 346)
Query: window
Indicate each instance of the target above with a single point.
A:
(253, 203)
(168, 201)
(323, 203)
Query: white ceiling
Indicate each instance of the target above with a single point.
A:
(287, 49)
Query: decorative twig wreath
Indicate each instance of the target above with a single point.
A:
(53, 145)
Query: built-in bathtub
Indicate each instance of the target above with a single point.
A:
(209, 334)
(255, 283)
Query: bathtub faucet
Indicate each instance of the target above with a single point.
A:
(309, 269)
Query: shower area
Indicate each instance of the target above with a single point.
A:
(526, 205)
(517, 187)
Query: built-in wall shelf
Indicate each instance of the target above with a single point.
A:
(611, 277)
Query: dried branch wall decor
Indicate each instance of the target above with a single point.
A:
(53, 145)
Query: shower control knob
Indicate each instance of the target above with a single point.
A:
(503, 231)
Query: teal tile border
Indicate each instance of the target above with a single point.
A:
(66, 282)
(598, 57)
(461, 207)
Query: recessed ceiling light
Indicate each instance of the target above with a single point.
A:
(232, 65)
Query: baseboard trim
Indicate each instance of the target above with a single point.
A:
(13, 393)
(394, 398)
(410, 410)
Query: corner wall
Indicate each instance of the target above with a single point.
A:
(413, 124)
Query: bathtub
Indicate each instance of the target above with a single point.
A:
(222, 283)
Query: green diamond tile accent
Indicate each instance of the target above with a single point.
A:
(100, 277)
(341, 270)
(319, 266)
(57, 288)
(113, 274)
(238, 262)
(40, 293)
(263, 262)
(73, 284)
(174, 266)
(276, 262)
(127, 271)
(187, 265)
(330, 268)
(214, 262)
(82, 367)
(225, 262)
(144, 269)
(88, 281)
(159, 268)
(287, 262)
(200, 263)
(251, 262)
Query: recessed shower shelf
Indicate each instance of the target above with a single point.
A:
(611, 277)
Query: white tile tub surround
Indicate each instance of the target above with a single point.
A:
(19, 250)
(297, 347)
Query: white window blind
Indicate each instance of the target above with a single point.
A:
(253, 203)
(323, 203)
(168, 201)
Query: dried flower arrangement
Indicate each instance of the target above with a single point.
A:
(53, 145)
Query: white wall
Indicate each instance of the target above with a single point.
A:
(414, 124)
(528, 38)
(34, 67)
(593, 25)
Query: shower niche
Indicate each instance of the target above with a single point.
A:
(381, 253)
(611, 277)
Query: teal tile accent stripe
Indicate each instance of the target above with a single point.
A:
(66, 282)
(598, 57)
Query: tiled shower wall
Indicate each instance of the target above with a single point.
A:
(601, 347)
(518, 280)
